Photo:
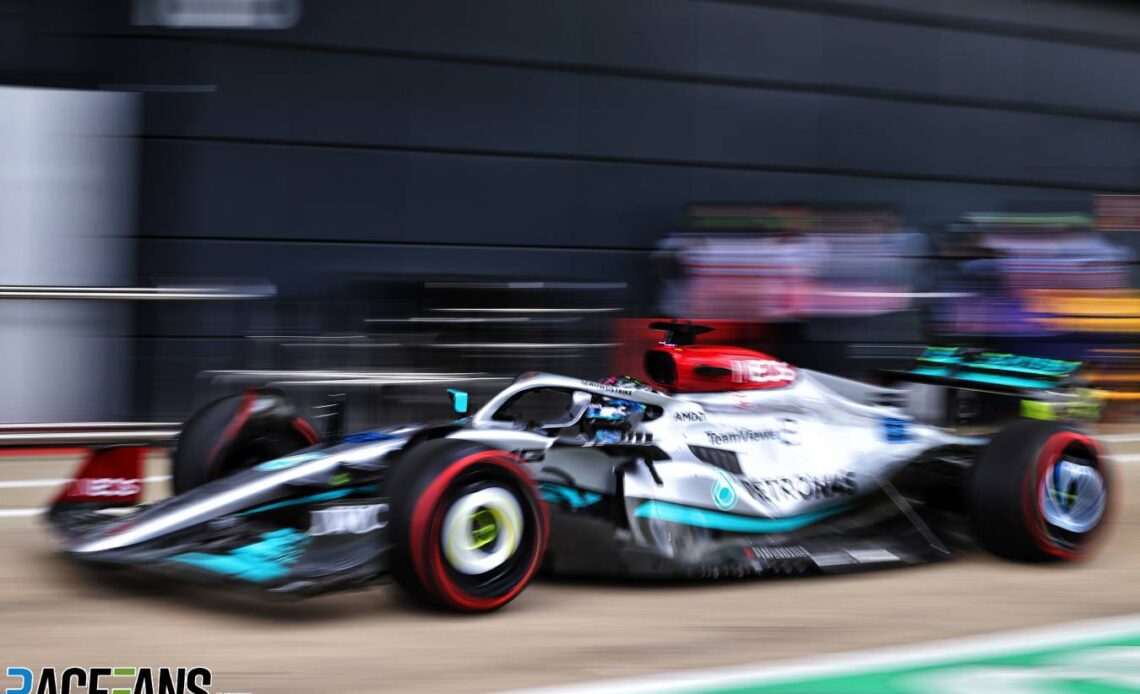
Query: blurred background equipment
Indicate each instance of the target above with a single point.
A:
(790, 263)
(1016, 262)
(433, 192)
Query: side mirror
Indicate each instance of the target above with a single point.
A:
(579, 403)
(458, 400)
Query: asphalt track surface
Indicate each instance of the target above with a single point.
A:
(53, 613)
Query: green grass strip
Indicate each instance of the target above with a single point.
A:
(1054, 670)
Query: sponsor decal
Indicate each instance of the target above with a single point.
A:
(804, 487)
(347, 520)
(761, 371)
(689, 416)
(788, 434)
(105, 486)
(724, 493)
(368, 437)
(742, 435)
(607, 388)
(896, 430)
(110, 680)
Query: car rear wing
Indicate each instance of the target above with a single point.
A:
(999, 372)
(991, 386)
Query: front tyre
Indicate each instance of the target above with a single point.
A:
(1039, 492)
(468, 527)
(235, 433)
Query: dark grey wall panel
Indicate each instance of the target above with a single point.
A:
(361, 100)
(249, 191)
(1088, 20)
(14, 36)
(795, 45)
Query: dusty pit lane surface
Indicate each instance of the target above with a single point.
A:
(558, 632)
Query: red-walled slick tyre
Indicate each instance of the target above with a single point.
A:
(468, 527)
(1039, 492)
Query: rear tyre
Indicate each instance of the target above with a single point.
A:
(235, 433)
(1039, 492)
(468, 528)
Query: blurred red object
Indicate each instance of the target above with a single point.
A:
(635, 338)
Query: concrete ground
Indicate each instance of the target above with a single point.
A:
(54, 613)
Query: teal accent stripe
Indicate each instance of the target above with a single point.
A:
(261, 561)
(1000, 361)
(312, 498)
(995, 379)
(576, 498)
(717, 520)
(290, 460)
(1058, 372)
(271, 557)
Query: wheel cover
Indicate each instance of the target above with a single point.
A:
(482, 531)
(1073, 496)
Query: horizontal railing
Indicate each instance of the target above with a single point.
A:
(136, 293)
(49, 427)
(87, 434)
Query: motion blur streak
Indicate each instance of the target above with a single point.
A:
(384, 201)
(1055, 283)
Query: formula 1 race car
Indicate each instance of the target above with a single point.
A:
(731, 463)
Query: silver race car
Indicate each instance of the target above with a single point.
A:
(730, 463)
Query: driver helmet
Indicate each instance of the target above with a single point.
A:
(608, 419)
